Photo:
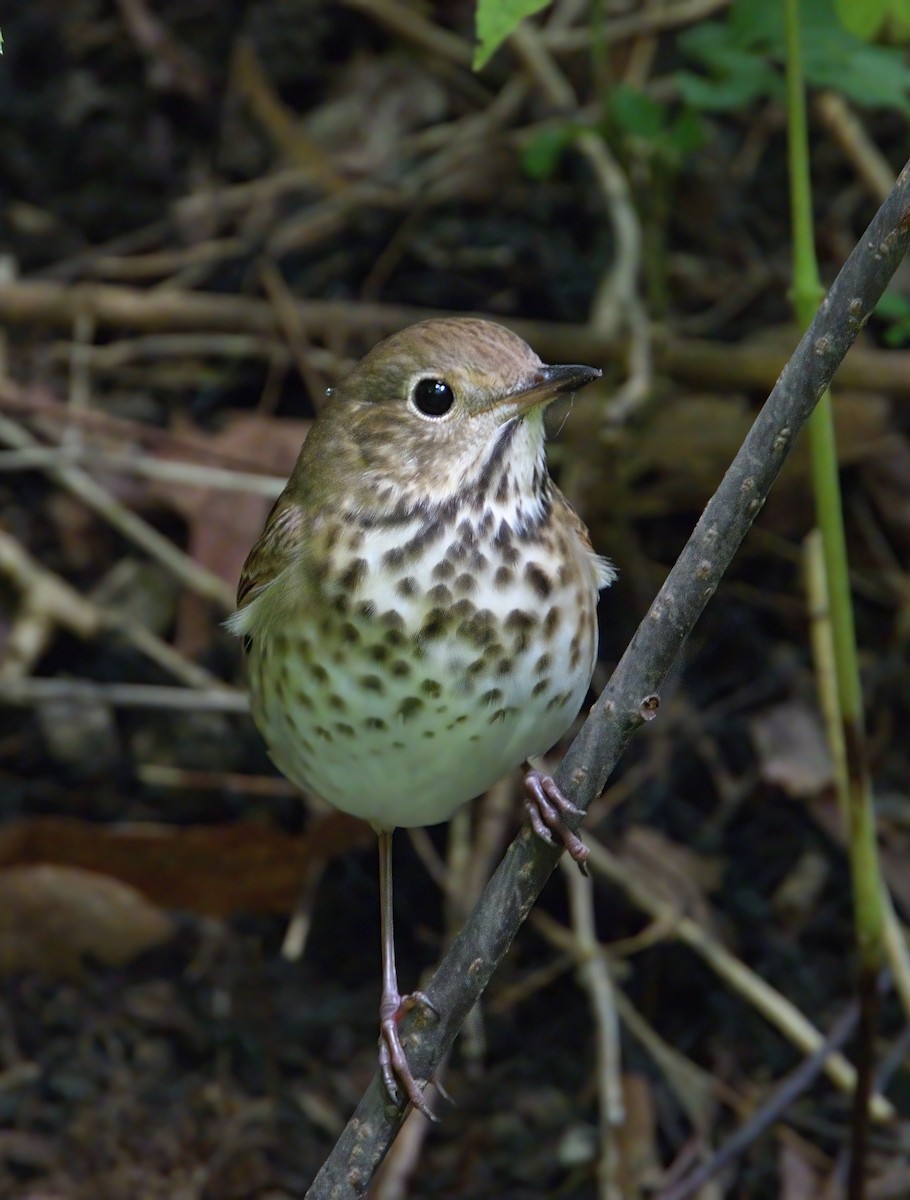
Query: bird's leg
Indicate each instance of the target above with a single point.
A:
(393, 1062)
(547, 809)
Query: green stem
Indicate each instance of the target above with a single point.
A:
(806, 283)
(853, 782)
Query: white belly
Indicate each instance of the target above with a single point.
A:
(398, 739)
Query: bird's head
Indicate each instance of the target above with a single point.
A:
(420, 419)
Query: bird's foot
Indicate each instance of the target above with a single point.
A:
(393, 1062)
(547, 809)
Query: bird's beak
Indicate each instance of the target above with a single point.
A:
(549, 383)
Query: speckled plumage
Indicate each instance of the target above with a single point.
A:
(421, 605)
(420, 609)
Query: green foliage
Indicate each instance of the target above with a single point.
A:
(630, 113)
(894, 310)
(673, 136)
(541, 156)
(637, 113)
(869, 18)
(863, 18)
(496, 19)
(741, 57)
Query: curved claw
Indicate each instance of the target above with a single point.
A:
(547, 809)
(416, 1000)
(393, 1062)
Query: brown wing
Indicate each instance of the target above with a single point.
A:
(272, 553)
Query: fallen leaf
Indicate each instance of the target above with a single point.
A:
(682, 452)
(795, 898)
(797, 1177)
(54, 920)
(213, 870)
(223, 525)
(792, 751)
(638, 1156)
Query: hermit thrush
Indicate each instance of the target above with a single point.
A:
(419, 611)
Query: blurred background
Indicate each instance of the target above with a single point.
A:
(208, 212)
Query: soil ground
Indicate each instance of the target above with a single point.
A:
(154, 1041)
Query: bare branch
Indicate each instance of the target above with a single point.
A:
(474, 955)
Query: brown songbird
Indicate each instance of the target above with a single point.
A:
(420, 610)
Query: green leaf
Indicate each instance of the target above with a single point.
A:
(759, 25)
(541, 155)
(862, 18)
(872, 76)
(897, 27)
(894, 309)
(892, 306)
(496, 19)
(687, 133)
(636, 112)
(740, 56)
(731, 90)
(639, 115)
(897, 334)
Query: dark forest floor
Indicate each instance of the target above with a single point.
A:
(172, 178)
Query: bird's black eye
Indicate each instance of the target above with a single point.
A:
(433, 397)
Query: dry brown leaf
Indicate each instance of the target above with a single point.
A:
(213, 870)
(687, 446)
(224, 525)
(798, 1180)
(636, 1138)
(792, 751)
(795, 898)
(54, 920)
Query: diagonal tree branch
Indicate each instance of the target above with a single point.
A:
(631, 695)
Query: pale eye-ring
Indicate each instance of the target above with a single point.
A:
(432, 397)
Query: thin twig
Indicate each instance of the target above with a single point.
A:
(408, 23)
(49, 601)
(157, 347)
(783, 1097)
(81, 484)
(168, 470)
(701, 362)
(695, 1089)
(619, 712)
(595, 975)
(774, 1007)
(23, 693)
(49, 413)
(648, 20)
(616, 309)
(850, 134)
